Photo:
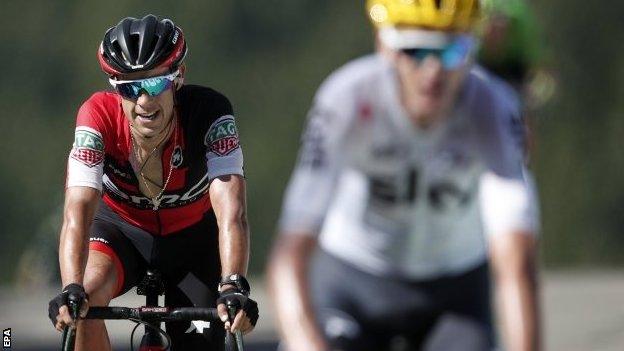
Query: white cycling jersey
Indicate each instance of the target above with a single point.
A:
(391, 198)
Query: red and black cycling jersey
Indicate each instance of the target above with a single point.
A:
(205, 145)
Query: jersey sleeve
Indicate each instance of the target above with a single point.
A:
(507, 194)
(223, 151)
(85, 165)
(509, 204)
(312, 184)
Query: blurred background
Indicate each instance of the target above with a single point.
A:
(269, 57)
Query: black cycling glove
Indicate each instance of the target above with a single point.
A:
(236, 298)
(72, 292)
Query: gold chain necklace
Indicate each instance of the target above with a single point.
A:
(155, 199)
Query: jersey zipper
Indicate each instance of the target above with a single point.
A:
(158, 223)
(168, 144)
(162, 163)
(164, 175)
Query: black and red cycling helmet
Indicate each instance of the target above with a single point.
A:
(136, 45)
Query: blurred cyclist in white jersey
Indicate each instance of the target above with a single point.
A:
(408, 195)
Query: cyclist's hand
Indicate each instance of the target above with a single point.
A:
(247, 314)
(58, 310)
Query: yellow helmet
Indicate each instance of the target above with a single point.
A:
(446, 15)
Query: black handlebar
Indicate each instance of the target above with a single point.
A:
(155, 314)
(144, 314)
(152, 315)
(69, 333)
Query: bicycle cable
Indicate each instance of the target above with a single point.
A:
(159, 330)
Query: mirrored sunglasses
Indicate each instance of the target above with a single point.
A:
(152, 86)
(452, 56)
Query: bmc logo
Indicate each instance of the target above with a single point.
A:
(6, 338)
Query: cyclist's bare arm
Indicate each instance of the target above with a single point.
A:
(510, 215)
(80, 206)
(288, 288)
(513, 258)
(510, 219)
(227, 195)
(306, 203)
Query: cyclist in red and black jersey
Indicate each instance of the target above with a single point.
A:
(154, 181)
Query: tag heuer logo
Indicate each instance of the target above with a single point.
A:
(90, 139)
(222, 138)
(88, 146)
(224, 146)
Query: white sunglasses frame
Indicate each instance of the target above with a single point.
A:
(171, 77)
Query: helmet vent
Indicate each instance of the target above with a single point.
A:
(149, 50)
(117, 49)
(134, 49)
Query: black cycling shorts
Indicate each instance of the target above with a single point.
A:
(188, 261)
(360, 311)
